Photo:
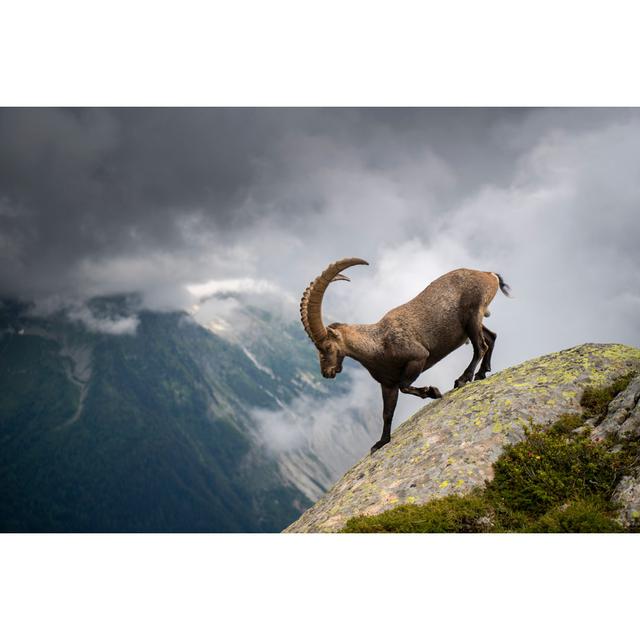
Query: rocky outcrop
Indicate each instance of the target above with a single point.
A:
(623, 419)
(450, 445)
(623, 414)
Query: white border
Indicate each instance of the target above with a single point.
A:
(334, 52)
(317, 586)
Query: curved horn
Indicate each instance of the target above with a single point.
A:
(311, 303)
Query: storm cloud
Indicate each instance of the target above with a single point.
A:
(173, 203)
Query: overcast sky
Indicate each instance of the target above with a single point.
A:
(176, 202)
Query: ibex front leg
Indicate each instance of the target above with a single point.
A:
(389, 399)
(412, 370)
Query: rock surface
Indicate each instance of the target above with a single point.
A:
(623, 413)
(623, 418)
(449, 446)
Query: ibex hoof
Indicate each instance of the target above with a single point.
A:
(481, 375)
(434, 393)
(460, 382)
(379, 445)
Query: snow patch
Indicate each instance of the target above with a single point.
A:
(259, 366)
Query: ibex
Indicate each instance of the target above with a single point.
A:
(410, 338)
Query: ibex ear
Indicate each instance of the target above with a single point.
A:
(332, 333)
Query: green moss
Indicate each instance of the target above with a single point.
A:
(557, 479)
(595, 400)
(453, 514)
(582, 516)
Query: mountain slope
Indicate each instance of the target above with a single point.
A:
(145, 432)
(449, 446)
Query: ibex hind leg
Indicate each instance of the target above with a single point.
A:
(480, 347)
(485, 365)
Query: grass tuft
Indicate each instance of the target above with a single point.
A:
(452, 514)
(581, 516)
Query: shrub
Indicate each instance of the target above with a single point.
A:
(550, 467)
(582, 516)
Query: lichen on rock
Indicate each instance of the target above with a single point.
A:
(449, 446)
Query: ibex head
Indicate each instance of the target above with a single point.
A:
(327, 340)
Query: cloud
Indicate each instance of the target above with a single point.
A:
(310, 422)
(561, 232)
(116, 326)
(231, 285)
